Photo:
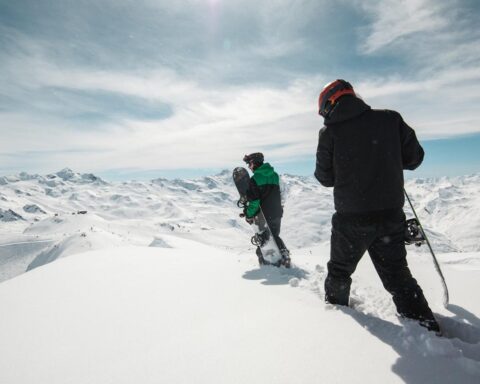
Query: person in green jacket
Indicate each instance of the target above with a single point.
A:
(264, 192)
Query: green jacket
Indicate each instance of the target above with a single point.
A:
(264, 192)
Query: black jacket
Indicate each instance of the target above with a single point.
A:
(362, 154)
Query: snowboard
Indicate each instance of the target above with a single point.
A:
(262, 237)
(416, 235)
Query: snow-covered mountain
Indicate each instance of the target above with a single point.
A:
(162, 285)
(58, 206)
(66, 212)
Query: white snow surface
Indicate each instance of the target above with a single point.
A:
(161, 285)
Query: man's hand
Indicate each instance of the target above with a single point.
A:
(249, 220)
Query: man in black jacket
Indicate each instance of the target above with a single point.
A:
(362, 153)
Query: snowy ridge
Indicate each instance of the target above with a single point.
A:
(66, 204)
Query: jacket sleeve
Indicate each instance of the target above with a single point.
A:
(253, 198)
(324, 166)
(412, 151)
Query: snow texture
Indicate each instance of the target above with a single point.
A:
(161, 284)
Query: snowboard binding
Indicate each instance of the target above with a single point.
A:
(242, 203)
(413, 234)
(259, 239)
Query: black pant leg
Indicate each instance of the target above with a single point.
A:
(274, 224)
(388, 255)
(349, 241)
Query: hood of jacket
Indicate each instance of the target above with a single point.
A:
(265, 174)
(347, 108)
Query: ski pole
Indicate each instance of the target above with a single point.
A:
(435, 261)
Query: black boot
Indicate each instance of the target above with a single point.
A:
(337, 291)
(286, 261)
(261, 260)
(431, 325)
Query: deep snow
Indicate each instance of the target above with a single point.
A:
(161, 285)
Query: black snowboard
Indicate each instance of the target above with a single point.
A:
(263, 236)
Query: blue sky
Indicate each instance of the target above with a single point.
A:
(141, 89)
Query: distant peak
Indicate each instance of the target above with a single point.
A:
(225, 172)
(66, 174)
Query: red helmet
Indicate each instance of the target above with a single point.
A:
(331, 93)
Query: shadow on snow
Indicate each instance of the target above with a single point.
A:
(424, 357)
(271, 275)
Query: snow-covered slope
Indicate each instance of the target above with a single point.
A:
(162, 285)
(188, 313)
(76, 212)
(450, 207)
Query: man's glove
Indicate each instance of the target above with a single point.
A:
(249, 220)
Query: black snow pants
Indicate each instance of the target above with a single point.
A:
(275, 225)
(382, 235)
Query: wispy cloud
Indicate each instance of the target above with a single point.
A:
(394, 20)
(190, 84)
(426, 35)
(206, 126)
